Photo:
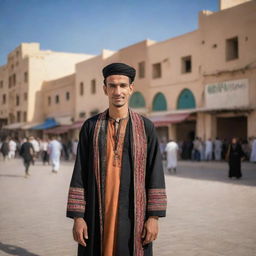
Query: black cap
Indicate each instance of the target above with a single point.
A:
(119, 69)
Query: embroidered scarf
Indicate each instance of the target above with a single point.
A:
(139, 153)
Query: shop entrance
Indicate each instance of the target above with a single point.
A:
(229, 127)
(185, 131)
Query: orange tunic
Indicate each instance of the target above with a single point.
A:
(113, 173)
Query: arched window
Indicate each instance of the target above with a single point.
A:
(159, 102)
(186, 100)
(137, 100)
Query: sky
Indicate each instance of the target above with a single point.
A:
(83, 26)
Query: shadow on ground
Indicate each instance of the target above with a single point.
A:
(15, 250)
(214, 171)
(11, 176)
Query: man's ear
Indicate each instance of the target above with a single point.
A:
(131, 88)
(105, 89)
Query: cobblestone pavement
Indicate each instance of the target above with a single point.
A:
(208, 214)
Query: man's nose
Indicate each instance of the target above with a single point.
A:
(117, 90)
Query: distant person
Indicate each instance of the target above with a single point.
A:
(162, 146)
(27, 153)
(74, 148)
(208, 150)
(171, 155)
(54, 150)
(234, 156)
(5, 149)
(197, 148)
(44, 151)
(12, 148)
(36, 147)
(253, 152)
(217, 149)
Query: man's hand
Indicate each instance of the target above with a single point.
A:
(80, 232)
(150, 230)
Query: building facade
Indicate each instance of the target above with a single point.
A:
(201, 83)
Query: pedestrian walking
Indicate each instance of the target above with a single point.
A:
(27, 153)
(44, 151)
(253, 152)
(234, 156)
(117, 191)
(171, 155)
(5, 149)
(12, 148)
(54, 150)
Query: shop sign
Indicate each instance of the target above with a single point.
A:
(227, 94)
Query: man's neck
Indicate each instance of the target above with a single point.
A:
(116, 113)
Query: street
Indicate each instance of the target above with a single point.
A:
(208, 214)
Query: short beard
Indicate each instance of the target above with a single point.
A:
(118, 105)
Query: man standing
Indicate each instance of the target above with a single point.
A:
(54, 150)
(117, 190)
(27, 153)
(217, 149)
(253, 152)
(208, 150)
(172, 151)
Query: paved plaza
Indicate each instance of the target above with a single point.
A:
(208, 214)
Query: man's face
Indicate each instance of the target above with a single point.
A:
(118, 89)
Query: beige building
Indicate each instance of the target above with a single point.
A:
(22, 78)
(201, 83)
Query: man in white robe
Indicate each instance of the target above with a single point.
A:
(171, 154)
(54, 150)
(12, 148)
(208, 150)
(253, 152)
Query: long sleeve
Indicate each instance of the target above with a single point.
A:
(155, 183)
(77, 192)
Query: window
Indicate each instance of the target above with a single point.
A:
(81, 88)
(232, 49)
(49, 100)
(1, 84)
(141, 69)
(25, 96)
(186, 65)
(4, 98)
(93, 86)
(25, 116)
(157, 71)
(18, 116)
(17, 100)
(14, 79)
(57, 99)
(10, 82)
(67, 95)
(25, 77)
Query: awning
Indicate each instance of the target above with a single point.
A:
(76, 125)
(165, 120)
(47, 124)
(58, 130)
(13, 126)
(29, 125)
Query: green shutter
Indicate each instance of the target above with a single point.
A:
(186, 100)
(137, 100)
(159, 102)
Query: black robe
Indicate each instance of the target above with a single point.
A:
(235, 155)
(84, 177)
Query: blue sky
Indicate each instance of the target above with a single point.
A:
(83, 26)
